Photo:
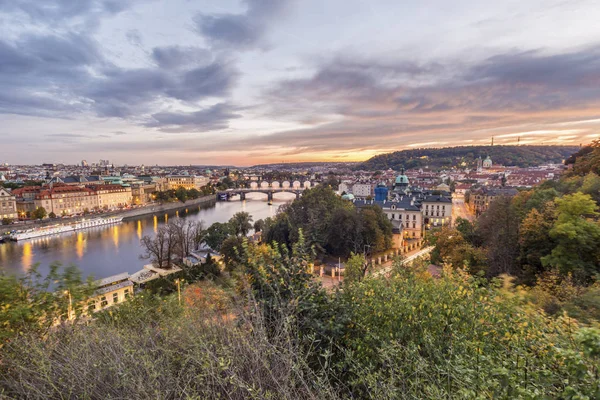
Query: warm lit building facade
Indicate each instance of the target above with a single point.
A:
(187, 182)
(437, 210)
(8, 205)
(480, 199)
(111, 197)
(66, 200)
(142, 193)
(110, 291)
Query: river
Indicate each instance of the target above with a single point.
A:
(109, 250)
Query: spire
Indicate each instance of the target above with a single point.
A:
(492, 140)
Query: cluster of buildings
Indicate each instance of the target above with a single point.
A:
(411, 209)
(76, 194)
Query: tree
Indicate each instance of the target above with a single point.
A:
(33, 303)
(39, 213)
(344, 233)
(499, 229)
(187, 234)
(376, 228)
(577, 237)
(181, 194)
(355, 268)
(7, 221)
(52, 215)
(193, 193)
(259, 225)
(216, 234)
(241, 223)
(162, 248)
(535, 241)
(233, 251)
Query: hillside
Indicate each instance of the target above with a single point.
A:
(520, 156)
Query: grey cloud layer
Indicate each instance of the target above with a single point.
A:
(240, 31)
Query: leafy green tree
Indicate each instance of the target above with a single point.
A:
(39, 213)
(34, 303)
(591, 186)
(535, 241)
(344, 233)
(7, 221)
(577, 237)
(259, 225)
(181, 194)
(52, 215)
(355, 269)
(233, 251)
(216, 235)
(376, 228)
(241, 223)
(193, 193)
(499, 229)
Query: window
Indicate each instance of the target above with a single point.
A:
(393, 216)
(91, 306)
(126, 293)
(103, 302)
(115, 297)
(414, 217)
(414, 225)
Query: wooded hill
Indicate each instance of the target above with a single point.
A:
(520, 156)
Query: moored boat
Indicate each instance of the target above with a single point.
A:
(56, 229)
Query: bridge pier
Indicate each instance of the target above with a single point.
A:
(242, 196)
(297, 194)
(270, 196)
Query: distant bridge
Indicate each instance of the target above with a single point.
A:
(268, 188)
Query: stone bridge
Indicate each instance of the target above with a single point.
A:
(269, 188)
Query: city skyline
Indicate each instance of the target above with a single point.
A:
(259, 81)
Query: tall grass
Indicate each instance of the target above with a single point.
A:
(196, 353)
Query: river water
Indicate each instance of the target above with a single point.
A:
(109, 250)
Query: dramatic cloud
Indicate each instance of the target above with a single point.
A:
(241, 31)
(212, 118)
(176, 57)
(304, 80)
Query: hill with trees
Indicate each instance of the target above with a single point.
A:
(519, 156)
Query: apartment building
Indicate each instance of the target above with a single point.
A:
(8, 205)
(188, 182)
(112, 196)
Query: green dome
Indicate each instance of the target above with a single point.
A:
(402, 179)
(348, 196)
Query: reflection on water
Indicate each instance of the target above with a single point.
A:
(80, 245)
(27, 256)
(108, 250)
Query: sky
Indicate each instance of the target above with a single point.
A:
(243, 82)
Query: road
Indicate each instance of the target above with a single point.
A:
(460, 209)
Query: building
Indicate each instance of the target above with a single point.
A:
(487, 163)
(480, 199)
(110, 291)
(64, 200)
(111, 197)
(171, 182)
(362, 190)
(437, 210)
(8, 205)
(141, 193)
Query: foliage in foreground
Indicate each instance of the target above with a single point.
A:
(280, 335)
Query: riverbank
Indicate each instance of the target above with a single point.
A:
(127, 214)
(166, 207)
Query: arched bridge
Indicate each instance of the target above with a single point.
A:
(269, 188)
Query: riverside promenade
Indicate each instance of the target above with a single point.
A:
(127, 214)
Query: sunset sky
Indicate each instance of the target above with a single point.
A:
(251, 81)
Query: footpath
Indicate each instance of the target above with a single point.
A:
(330, 282)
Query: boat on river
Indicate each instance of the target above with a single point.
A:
(58, 228)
